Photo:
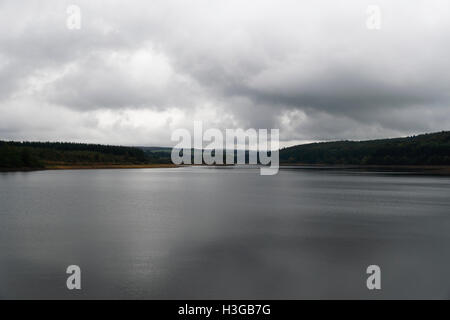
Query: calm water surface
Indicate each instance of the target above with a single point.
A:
(223, 233)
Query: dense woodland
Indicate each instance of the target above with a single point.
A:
(41, 154)
(426, 149)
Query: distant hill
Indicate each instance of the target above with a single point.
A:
(425, 149)
(158, 154)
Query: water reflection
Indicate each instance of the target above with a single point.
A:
(223, 233)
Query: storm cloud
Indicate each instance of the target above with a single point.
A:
(137, 70)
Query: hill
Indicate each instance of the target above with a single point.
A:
(36, 155)
(425, 149)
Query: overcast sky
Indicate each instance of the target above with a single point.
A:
(137, 70)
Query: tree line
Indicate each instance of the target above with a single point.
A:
(39, 154)
(425, 149)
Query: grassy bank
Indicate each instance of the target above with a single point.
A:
(108, 166)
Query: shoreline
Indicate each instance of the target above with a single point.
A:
(418, 169)
(92, 166)
(111, 166)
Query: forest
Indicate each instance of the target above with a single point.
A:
(425, 149)
(29, 155)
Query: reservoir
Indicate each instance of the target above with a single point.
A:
(222, 233)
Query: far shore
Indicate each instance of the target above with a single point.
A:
(111, 166)
(418, 169)
(428, 169)
(93, 166)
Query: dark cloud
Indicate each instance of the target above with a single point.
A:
(315, 71)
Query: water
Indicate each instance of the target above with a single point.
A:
(222, 233)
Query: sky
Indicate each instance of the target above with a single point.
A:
(134, 71)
